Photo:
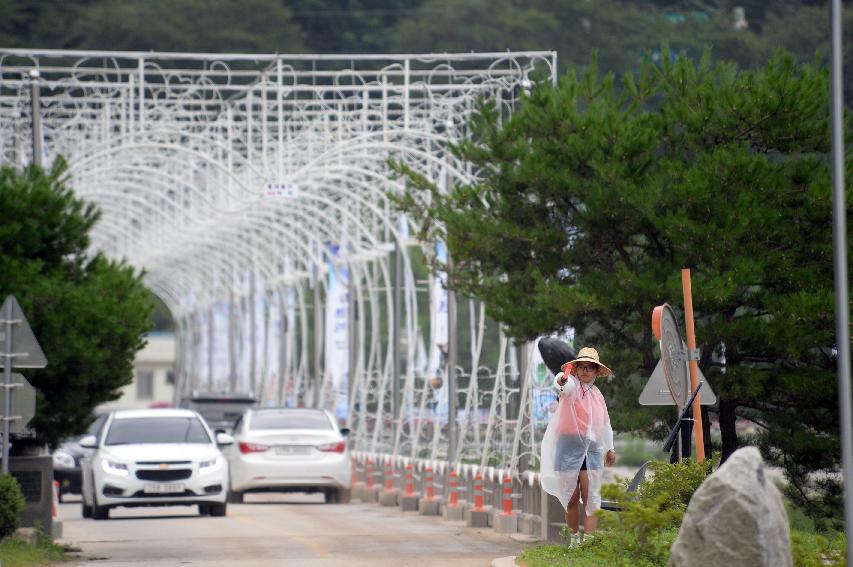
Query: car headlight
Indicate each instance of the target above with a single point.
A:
(211, 465)
(63, 459)
(111, 467)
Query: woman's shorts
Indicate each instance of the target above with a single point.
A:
(574, 455)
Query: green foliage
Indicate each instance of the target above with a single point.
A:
(19, 554)
(605, 549)
(87, 312)
(11, 505)
(671, 485)
(659, 506)
(810, 549)
(174, 25)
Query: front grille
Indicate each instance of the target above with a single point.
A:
(164, 475)
(143, 494)
(163, 462)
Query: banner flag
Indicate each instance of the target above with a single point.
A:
(337, 336)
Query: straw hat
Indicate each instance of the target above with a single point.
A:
(588, 354)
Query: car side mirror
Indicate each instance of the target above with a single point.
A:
(223, 439)
(89, 442)
(345, 431)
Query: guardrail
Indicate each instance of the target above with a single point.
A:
(534, 512)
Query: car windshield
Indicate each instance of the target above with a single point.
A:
(289, 420)
(156, 430)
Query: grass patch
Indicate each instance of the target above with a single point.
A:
(809, 549)
(14, 553)
(607, 548)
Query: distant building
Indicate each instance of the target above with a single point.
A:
(153, 376)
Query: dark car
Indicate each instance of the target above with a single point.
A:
(66, 460)
(219, 410)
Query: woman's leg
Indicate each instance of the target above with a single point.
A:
(572, 512)
(589, 522)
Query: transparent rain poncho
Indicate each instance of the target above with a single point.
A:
(578, 429)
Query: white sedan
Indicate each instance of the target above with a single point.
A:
(289, 450)
(154, 457)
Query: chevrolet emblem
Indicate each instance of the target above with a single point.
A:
(163, 466)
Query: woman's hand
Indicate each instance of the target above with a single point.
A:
(610, 458)
(562, 379)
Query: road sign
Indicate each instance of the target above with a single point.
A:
(23, 403)
(25, 348)
(656, 392)
(673, 354)
(20, 349)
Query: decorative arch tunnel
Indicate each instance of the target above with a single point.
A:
(253, 191)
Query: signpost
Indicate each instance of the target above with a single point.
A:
(678, 369)
(20, 350)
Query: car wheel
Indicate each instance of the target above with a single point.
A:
(204, 509)
(234, 497)
(218, 510)
(344, 495)
(87, 510)
(100, 512)
(331, 496)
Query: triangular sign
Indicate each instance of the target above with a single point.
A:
(656, 392)
(23, 404)
(25, 347)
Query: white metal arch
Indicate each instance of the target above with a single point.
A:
(226, 176)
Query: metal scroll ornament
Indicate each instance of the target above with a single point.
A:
(673, 354)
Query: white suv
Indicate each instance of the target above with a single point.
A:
(154, 457)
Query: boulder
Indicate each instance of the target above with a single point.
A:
(26, 535)
(736, 517)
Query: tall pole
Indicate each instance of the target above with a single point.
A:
(352, 337)
(7, 384)
(211, 337)
(395, 333)
(318, 339)
(253, 338)
(839, 245)
(452, 356)
(36, 109)
(232, 341)
(693, 361)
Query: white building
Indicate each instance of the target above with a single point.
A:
(153, 376)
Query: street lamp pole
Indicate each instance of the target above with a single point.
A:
(839, 238)
(36, 117)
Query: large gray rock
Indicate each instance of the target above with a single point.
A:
(736, 517)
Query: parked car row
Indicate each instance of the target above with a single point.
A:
(164, 457)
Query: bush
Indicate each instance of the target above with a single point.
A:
(674, 483)
(11, 505)
(658, 508)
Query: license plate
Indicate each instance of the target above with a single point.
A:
(164, 488)
(288, 450)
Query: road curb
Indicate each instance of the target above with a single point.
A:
(508, 561)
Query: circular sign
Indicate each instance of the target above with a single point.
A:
(674, 357)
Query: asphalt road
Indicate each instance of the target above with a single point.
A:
(278, 530)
